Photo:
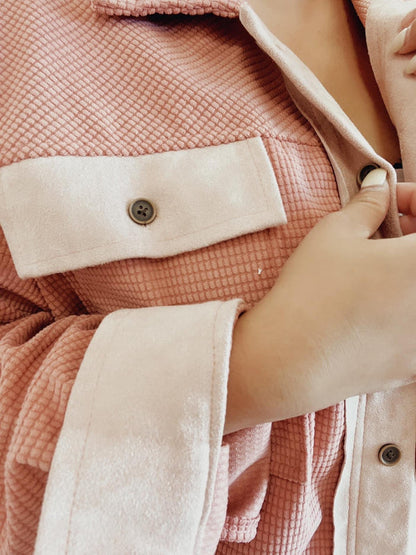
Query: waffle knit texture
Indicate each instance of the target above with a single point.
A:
(79, 82)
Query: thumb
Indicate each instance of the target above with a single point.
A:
(367, 210)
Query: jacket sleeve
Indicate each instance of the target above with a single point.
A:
(41, 348)
(120, 417)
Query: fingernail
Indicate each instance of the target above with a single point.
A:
(398, 41)
(375, 177)
(411, 66)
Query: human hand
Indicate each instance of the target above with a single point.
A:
(405, 41)
(340, 320)
(406, 202)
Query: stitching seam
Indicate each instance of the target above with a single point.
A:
(81, 461)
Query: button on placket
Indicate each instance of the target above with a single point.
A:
(362, 174)
(389, 454)
(142, 211)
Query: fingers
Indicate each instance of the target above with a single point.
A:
(406, 203)
(405, 41)
(406, 198)
(367, 210)
(410, 18)
(408, 224)
(411, 66)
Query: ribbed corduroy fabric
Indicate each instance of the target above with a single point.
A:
(86, 82)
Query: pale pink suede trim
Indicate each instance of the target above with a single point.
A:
(136, 429)
(85, 221)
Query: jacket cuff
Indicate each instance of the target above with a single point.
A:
(136, 461)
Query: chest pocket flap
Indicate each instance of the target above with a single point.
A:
(63, 213)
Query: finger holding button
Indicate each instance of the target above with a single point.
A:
(406, 203)
(406, 200)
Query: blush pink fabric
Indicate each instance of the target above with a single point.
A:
(80, 82)
(228, 8)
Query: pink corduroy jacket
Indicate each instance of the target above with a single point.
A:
(116, 336)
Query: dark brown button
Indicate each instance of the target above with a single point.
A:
(389, 454)
(362, 174)
(142, 211)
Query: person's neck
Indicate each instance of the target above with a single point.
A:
(330, 39)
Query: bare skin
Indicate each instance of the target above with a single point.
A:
(348, 328)
(329, 38)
